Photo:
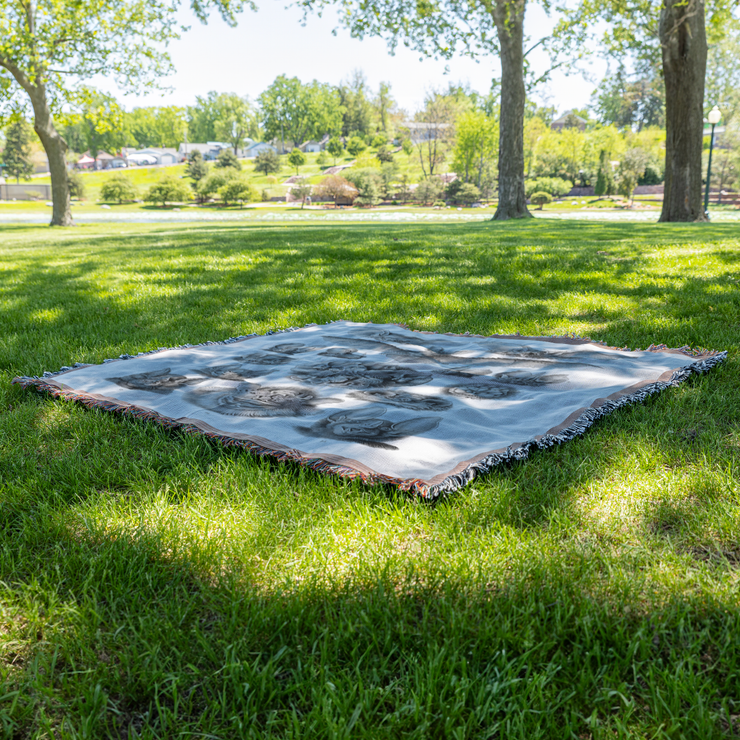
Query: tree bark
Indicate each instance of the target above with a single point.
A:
(684, 48)
(512, 202)
(56, 148)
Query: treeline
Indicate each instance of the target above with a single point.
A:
(288, 110)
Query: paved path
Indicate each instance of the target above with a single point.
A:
(340, 216)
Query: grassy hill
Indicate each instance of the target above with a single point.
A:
(144, 177)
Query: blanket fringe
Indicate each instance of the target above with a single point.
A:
(413, 486)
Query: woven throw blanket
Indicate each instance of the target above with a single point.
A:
(426, 412)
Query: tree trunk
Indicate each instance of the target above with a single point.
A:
(512, 202)
(56, 148)
(684, 47)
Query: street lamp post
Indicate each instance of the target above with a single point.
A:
(714, 115)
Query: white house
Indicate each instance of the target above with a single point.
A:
(257, 148)
(152, 155)
(315, 146)
(209, 150)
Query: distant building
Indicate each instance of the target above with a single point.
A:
(209, 150)
(569, 120)
(421, 131)
(257, 148)
(315, 146)
(152, 155)
(88, 162)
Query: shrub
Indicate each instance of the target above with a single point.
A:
(380, 139)
(429, 190)
(237, 190)
(196, 168)
(168, 190)
(76, 185)
(555, 186)
(323, 159)
(651, 176)
(356, 146)
(368, 183)
(227, 158)
(118, 188)
(384, 154)
(468, 194)
(209, 186)
(539, 199)
(632, 166)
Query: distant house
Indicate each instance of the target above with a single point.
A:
(315, 146)
(569, 120)
(209, 150)
(257, 148)
(118, 161)
(152, 155)
(88, 162)
(420, 131)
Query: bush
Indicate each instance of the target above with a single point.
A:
(429, 190)
(356, 146)
(651, 176)
(267, 162)
(389, 175)
(237, 190)
(468, 194)
(380, 139)
(168, 190)
(369, 185)
(632, 166)
(118, 188)
(384, 154)
(76, 185)
(540, 199)
(555, 186)
(196, 168)
(227, 158)
(209, 186)
(323, 159)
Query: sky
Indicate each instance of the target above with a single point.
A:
(272, 41)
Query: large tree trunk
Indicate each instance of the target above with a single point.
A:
(509, 18)
(684, 46)
(56, 148)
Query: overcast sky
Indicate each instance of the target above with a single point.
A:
(272, 41)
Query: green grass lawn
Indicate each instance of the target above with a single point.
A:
(145, 177)
(158, 585)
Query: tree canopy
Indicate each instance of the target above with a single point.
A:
(49, 47)
(296, 112)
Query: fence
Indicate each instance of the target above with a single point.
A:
(24, 191)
